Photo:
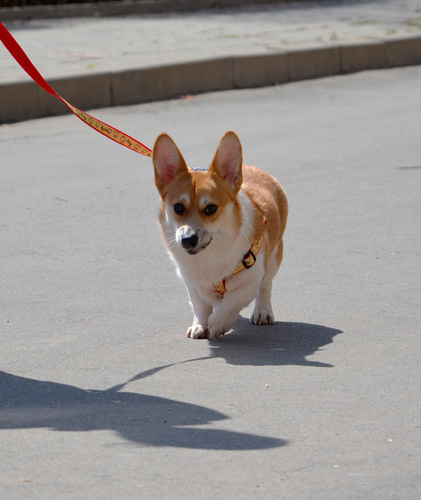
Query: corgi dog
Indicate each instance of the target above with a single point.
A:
(223, 228)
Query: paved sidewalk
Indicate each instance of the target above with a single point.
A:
(100, 62)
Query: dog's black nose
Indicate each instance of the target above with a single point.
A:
(189, 241)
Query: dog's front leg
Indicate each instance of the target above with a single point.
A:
(226, 312)
(202, 310)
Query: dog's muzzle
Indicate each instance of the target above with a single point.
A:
(190, 242)
(193, 241)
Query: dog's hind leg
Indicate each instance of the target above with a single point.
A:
(263, 313)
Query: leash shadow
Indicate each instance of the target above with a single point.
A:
(283, 343)
(140, 419)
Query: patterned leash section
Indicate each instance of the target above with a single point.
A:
(103, 128)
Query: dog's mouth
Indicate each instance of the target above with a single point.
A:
(193, 240)
(196, 250)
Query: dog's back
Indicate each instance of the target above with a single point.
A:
(268, 196)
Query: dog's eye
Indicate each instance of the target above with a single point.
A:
(179, 208)
(210, 209)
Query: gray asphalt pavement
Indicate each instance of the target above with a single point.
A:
(102, 396)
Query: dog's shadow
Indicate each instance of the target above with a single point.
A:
(156, 421)
(141, 419)
(282, 343)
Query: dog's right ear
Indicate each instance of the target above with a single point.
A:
(167, 160)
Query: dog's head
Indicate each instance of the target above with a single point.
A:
(200, 206)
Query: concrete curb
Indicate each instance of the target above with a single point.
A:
(26, 100)
(122, 8)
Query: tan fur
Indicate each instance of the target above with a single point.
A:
(269, 199)
(207, 246)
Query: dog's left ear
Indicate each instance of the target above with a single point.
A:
(167, 160)
(228, 161)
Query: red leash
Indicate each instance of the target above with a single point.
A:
(103, 128)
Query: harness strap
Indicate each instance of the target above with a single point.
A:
(247, 261)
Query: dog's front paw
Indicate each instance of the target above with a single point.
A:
(218, 326)
(214, 333)
(262, 317)
(197, 332)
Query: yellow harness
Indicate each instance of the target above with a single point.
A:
(248, 261)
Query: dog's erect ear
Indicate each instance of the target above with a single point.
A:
(228, 161)
(167, 161)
